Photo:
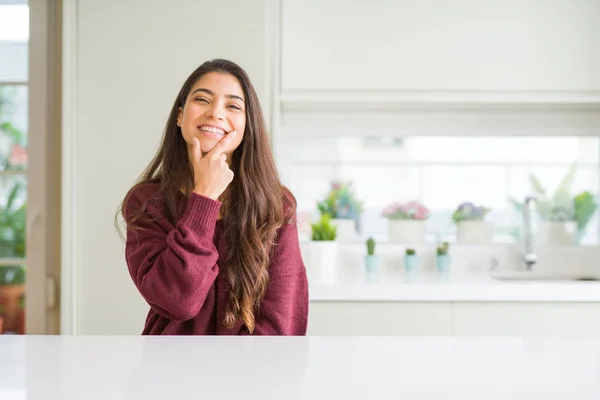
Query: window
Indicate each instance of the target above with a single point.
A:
(441, 172)
(14, 44)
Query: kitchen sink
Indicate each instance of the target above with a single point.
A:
(526, 276)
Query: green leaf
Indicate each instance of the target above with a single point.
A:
(585, 208)
(537, 187)
(13, 195)
(323, 229)
(563, 191)
(13, 132)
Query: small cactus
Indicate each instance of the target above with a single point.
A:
(410, 252)
(370, 246)
(443, 249)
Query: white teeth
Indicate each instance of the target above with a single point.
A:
(213, 130)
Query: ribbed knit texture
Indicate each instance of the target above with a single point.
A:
(176, 270)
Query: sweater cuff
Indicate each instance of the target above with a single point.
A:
(201, 213)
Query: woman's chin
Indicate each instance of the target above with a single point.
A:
(207, 145)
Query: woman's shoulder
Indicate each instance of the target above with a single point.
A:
(141, 195)
(143, 191)
(289, 205)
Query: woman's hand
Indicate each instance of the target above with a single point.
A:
(212, 174)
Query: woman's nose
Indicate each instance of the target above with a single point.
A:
(216, 111)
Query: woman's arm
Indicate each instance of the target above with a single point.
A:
(284, 308)
(174, 267)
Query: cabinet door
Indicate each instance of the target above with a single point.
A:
(526, 319)
(440, 45)
(379, 319)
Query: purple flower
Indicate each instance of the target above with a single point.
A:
(468, 212)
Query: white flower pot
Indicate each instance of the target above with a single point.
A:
(323, 259)
(474, 232)
(406, 231)
(561, 233)
(346, 229)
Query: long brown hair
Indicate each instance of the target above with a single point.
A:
(256, 204)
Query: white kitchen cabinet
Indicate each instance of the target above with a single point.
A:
(431, 48)
(366, 318)
(379, 319)
(526, 319)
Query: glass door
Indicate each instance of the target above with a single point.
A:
(14, 89)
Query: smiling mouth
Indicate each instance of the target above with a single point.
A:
(212, 129)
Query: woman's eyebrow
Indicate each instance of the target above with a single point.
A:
(210, 92)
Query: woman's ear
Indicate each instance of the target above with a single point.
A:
(179, 116)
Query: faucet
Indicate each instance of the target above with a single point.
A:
(529, 256)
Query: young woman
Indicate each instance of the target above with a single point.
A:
(212, 242)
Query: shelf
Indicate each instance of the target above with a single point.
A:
(306, 100)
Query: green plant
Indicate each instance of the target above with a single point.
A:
(340, 202)
(323, 230)
(8, 129)
(442, 250)
(12, 275)
(12, 224)
(410, 252)
(562, 205)
(12, 237)
(370, 246)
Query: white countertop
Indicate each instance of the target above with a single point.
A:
(282, 368)
(353, 285)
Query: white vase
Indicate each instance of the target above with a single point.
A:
(557, 233)
(346, 229)
(474, 232)
(323, 259)
(406, 231)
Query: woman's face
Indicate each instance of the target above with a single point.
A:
(214, 108)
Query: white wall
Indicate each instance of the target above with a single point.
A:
(131, 57)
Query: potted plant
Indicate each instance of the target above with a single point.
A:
(442, 260)
(406, 222)
(371, 260)
(563, 216)
(343, 208)
(323, 247)
(411, 260)
(12, 288)
(471, 227)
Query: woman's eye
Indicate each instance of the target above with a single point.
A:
(202, 99)
(235, 106)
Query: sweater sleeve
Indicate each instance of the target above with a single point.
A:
(284, 308)
(174, 267)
